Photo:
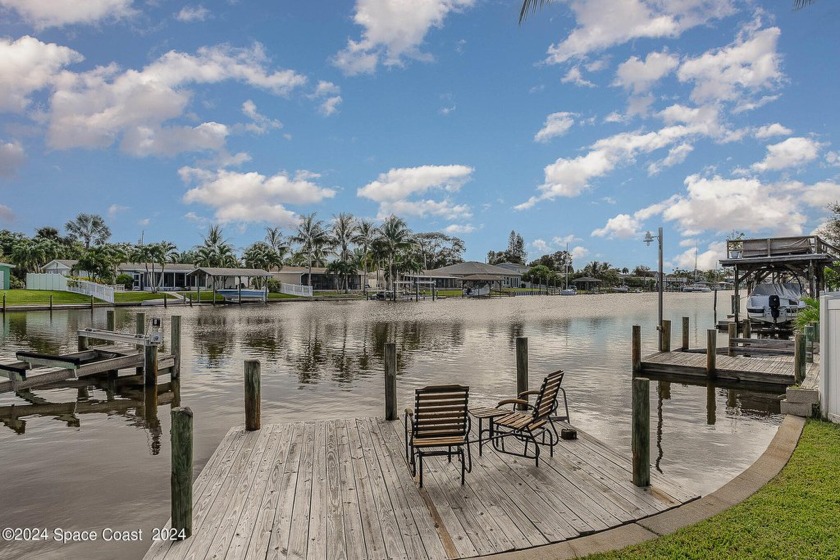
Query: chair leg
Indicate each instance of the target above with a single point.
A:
(421, 469)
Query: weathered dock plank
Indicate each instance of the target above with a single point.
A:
(776, 370)
(342, 490)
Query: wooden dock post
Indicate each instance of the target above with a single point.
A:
(636, 349)
(685, 326)
(711, 352)
(390, 381)
(641, 431)
(809, 344)
(799, 359)
(521, 367)
(733, 334)
(110, 322)
(91, 303)
(182, 468)
(150, 365)
(83, 343)
(51, 301)
(666, 336)
(140, 328)
(747, 329)
(175, 345)
(252, 395)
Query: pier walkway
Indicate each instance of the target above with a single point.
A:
(341, 489)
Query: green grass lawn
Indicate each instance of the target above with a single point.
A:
(796, 515)
(41, 297)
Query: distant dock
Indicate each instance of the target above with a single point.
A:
(343, 489)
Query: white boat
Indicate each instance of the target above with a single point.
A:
(621, 289)
(247, 295)
(568, 292)
(775, 303)
(696, 287)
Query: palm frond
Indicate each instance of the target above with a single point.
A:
(531, 6)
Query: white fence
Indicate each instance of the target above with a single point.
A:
(295, 290)
(830, 356)
(61, 283)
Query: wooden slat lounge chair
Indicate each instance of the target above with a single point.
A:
(535, 424)
(438, 425)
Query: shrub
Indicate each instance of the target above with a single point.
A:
(126, 280)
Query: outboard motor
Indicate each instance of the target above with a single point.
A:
(774, 304)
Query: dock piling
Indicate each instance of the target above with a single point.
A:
(390, 381)
(252, 395)
(747, 330)
(685, 326)
(711, 352)
(175, 344)
(636, 349)
(110, 322)
(140, 329)
(809, 344)
(521, 367)
(182, 467)
(641, 431)
(150, 365)
(666, 336)
(732, 332)
(799, 359)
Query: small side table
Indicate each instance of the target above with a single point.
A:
(490, 413)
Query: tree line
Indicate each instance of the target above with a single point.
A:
(345, 246)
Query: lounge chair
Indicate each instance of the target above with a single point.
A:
(438, 425)
(535, 424)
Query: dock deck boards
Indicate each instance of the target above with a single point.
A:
(753, 369)
(342, 489)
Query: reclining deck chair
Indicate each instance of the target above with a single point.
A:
(534, 422)
(438, 424)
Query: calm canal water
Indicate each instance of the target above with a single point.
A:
(90, 466)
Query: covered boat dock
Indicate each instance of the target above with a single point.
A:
(800, 259)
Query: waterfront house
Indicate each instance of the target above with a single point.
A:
(149, 276)
(471, 274)
(321, 279)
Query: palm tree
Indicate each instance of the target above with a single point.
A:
(163, 252)
(394, 237)
(312, 237)
(278, 245)
(365, 233)
(89, 228)
(343, 234)
(215, 251)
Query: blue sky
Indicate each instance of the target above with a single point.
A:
(587, 125)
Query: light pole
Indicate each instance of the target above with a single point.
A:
(660, 281)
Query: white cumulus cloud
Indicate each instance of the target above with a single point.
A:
(189, 14)
(622, 226)
(56, 13)
(556, 124)
(28, 65)
(252, 197)
(397, 191)
(640, 75)
(393, 30)
(770, 130)
(12, 156)
(788, 153)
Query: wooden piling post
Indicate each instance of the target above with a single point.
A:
(666, 335)
(816, 325)
(711, 405)
(252, 395)
(150, 365)
(390, 381)
(110, 322)
(636, 349)
(175, 345)
(733, 334)
(182, 467)
(521, 367)
(91, 303)
(51, 301)
(165, 299)
(799, 359)
(83, 343)
(685, 326)
(4, 303)
(641, 431)
(711, 352)
(140, 323)
(809, 344)
(747, 330)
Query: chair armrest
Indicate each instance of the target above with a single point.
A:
(409, 411)
(526, 393)
(512, 401)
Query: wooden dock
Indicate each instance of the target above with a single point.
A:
(341, 489)
(777, 370)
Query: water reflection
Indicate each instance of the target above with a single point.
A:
(123, 397)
